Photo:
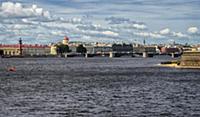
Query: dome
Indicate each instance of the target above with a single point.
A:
(66, 38)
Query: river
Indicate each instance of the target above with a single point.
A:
(97, 87)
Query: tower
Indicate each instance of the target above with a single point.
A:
(20, 47)
(65, 41)
(144, 42)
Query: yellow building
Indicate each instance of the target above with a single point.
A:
(12, 50)
(190, 58)
(53, 50)
(65, 41)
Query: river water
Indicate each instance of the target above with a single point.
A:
(97, 87)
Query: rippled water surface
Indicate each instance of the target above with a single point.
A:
(97, 87)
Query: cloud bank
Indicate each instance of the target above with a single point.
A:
(9, 9)
(41, 24)
(193, 30)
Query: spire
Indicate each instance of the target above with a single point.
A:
(144, 42)
(20, 46)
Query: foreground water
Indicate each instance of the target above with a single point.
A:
(97, 87)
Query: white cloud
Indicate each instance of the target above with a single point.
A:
(25, 20)
(76, 20)
(20, 26)
(193, 30)
(10, 9)
(169, 33)
(38, 11)
(34, 6)
(110, 33)
(149, 34)
(139, 26)
(165, 31)
(180, 35)
(58, 33)
(118, 22)
(73, 20)
(127, 27)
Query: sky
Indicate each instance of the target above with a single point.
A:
(128, 21)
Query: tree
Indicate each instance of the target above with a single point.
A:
(62, 49)
(81, 49)
(1, 52)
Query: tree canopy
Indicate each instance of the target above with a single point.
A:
(81, 49)
(1, 52)
(62, 49)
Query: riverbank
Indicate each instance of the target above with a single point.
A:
(178, 66)
(188, 60)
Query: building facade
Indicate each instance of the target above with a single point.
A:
(53, 48)
(27, 50)
(190, 58)
(141, 49)
(65, 41)
(11, 50)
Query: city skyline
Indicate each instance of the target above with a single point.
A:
(46, 21)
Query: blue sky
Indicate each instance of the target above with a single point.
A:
(46, 21)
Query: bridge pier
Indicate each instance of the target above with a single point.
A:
(86, 55)
(173, 55)
(66, 55)
(145, 54)
(111, 55)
